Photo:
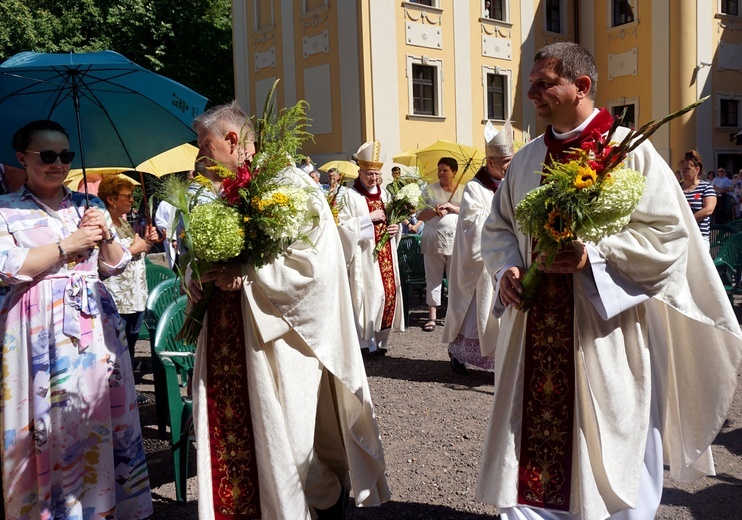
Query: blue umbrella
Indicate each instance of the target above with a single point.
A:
(117, 113)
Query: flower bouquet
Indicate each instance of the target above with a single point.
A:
(402, 206)
(258, 214)
(589, 196)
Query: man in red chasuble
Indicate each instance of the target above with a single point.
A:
(630, 350)
(284, 421)
(374, 282)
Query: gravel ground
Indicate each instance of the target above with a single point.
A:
(432, 424)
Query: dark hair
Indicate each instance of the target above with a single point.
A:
(694, 157)
(570, 62)
(396, 169)
(451, 162)
(23, 136)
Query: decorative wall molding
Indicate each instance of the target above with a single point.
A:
(315, 20)
(265, 59)
(729, 25)
(622, 34)
(497, 48)
(623, 64)
(422, 35)
(495, 28)
(316, 44)
(432, 18)
(265, 35)
(729, 56)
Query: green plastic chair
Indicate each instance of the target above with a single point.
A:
(729, 264)
(155, 274)
(718, 234)
(411, 269)
(165, 293)
(735, 225)
(176, 358)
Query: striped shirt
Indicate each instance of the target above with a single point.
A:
(695, 200)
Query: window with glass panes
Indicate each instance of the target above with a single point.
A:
(496, 89)
(423, 89)
(497, 10)
(730, 7)
(629, 120)
(729, 113)
(554, 16)
(623, 13)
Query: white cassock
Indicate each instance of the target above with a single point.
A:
(366, 283)
(308, 393)
(164, 221)
(470, 287)
(673, 349)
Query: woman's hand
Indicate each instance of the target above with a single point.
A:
(151, 235)
(94, 217)
(81, 240)
(446, 208)
(138, 245)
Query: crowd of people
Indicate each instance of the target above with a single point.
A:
(626, 360)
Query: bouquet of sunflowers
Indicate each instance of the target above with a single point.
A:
(589, 196)
(256, 216)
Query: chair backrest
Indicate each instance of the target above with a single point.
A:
(411, 264)
(718, 235)
(731, 253)
(167, 328)
(735, 225)
(165, 293)
(156, 274)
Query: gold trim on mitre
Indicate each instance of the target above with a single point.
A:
(370, 156)
(498, 144)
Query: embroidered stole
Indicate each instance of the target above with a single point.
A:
(385, 259)
(234, 468)
(545, 462)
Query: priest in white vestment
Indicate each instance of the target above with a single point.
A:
(471, 329)
(654, 343)
(374, 281)
(298, 427)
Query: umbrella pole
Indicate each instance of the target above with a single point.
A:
(76, 101)
(146, 201)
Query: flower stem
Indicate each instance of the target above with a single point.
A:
(194, 321)
(385, 237)
(531, 282)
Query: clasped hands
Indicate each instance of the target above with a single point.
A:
(572, 258)
(378, 215)
(444, 209)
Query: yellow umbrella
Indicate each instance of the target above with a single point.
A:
(178, 159)
(406, 157)
(94, 176)
(468, 157)
(346, 168)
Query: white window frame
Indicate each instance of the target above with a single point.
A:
(436, 4)
(505, 12)
(562, 17)
(508, 74)
(305, 9)
(739, 11)
(611, 21)
(625, 101)
(729, 97)
(256, 15)
(438, 86)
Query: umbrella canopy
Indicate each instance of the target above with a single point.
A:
(115, 111)
(94, 176)
(347, 169)
(406, 157)
(179, 159)
(468, 157)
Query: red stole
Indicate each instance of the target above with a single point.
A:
(487, 181)
(234, 468)
(547, 435)
(384, 259)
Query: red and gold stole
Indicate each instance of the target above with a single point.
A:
(384, 259)
(545, 463)
(234, 468)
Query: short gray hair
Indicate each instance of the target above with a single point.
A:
(571, 62)
(221, 119)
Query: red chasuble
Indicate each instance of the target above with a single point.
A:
(384, 259)
(234, 468)
(545, 463)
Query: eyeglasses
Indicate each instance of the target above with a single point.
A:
(127, 195)
(50, 156)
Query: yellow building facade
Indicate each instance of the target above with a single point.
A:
(410, 73)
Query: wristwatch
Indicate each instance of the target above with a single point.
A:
(111, 236)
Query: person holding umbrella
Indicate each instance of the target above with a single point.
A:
(72, 442)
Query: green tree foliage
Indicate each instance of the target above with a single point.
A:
(189, 41)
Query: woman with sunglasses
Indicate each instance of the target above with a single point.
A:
(72, 443)
(129, 289)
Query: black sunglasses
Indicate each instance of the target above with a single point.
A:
(50, 156)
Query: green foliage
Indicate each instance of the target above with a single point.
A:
(189, 41)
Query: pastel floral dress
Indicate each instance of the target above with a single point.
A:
(72, 442)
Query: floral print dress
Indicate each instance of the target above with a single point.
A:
(72, 442)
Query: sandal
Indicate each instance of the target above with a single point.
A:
(429, 326)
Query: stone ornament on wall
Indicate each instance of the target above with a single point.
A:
(496, 48)
(729, 57)
(623, 64)
(316, 44)
(422, 35)
(265, 59)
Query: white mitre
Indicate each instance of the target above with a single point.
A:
(498, 144)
